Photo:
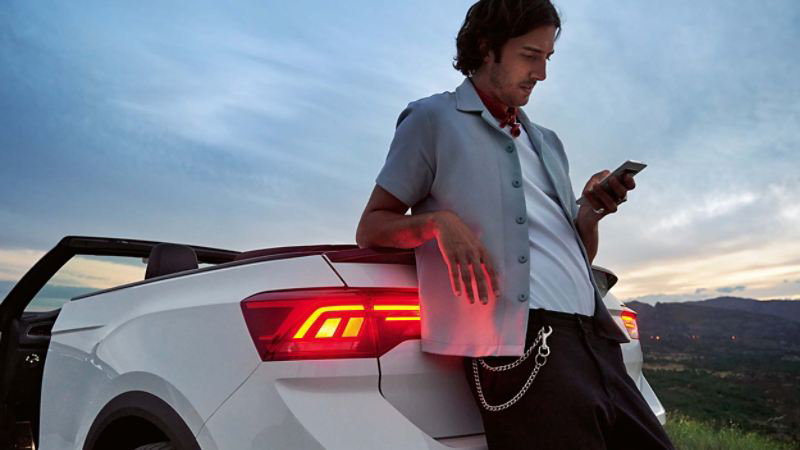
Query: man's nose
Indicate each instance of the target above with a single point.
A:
(540, 72)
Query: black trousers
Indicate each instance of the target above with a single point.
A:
(582, 398)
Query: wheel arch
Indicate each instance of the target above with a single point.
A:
(138, 413)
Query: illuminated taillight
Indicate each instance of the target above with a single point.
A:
(629, 320)
(331, 322)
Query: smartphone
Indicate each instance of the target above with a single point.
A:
(631, 167)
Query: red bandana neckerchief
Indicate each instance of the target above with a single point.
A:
(505, 114)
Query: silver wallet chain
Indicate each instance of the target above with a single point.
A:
(540, 359)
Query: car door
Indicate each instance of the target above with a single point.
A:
(32, 306)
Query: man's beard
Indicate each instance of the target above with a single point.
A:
(497, 79)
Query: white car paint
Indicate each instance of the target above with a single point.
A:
(184, 340)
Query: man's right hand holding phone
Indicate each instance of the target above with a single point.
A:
(606, 190)
(605, 201)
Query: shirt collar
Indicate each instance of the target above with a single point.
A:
(506, 115)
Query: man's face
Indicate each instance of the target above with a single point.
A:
(522, 63)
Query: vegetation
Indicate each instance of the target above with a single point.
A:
(754, 404)
(691, 434)
(727, 384)
(729, 365)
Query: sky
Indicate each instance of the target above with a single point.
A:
(257, 124)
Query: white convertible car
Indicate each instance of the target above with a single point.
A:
(307, 347)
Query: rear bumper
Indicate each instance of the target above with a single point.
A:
(329, 404)
(333, 404)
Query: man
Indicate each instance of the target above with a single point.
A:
(494, 219)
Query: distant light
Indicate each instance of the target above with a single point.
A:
(733, 338)
(658, 338)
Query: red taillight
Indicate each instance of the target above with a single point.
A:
(629, 320)
(331, 322)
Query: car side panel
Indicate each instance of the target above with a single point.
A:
(631, 351)
(182, 339)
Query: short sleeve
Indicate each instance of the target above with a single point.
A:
(410, 165)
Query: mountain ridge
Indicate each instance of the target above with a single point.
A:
(781, 308)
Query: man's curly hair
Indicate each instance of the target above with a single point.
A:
(495, 22)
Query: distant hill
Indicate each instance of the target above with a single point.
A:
(718, 320)
(785, 309)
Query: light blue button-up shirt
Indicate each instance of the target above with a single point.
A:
(559, 280)
(448, 153)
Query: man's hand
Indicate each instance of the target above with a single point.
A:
(599, 202)
(464, 255)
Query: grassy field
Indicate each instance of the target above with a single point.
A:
(713, 405)
(691, 434)
(716, 387)
(728, 378)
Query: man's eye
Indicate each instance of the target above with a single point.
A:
(536, 57)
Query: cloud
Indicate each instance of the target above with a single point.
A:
(90, 272)
(709, 207)
(665, 298)
(80, 272)
(257, 124)
(15, 262)
(5, 288)
(729, 289)
(738, 262)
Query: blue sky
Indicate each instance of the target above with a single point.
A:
(262, 124)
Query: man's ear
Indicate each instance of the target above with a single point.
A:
(487, 54)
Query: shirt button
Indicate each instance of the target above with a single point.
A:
(522, 297)
(522, 259)
(516, 183)
(510, 148)
(520, 219)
